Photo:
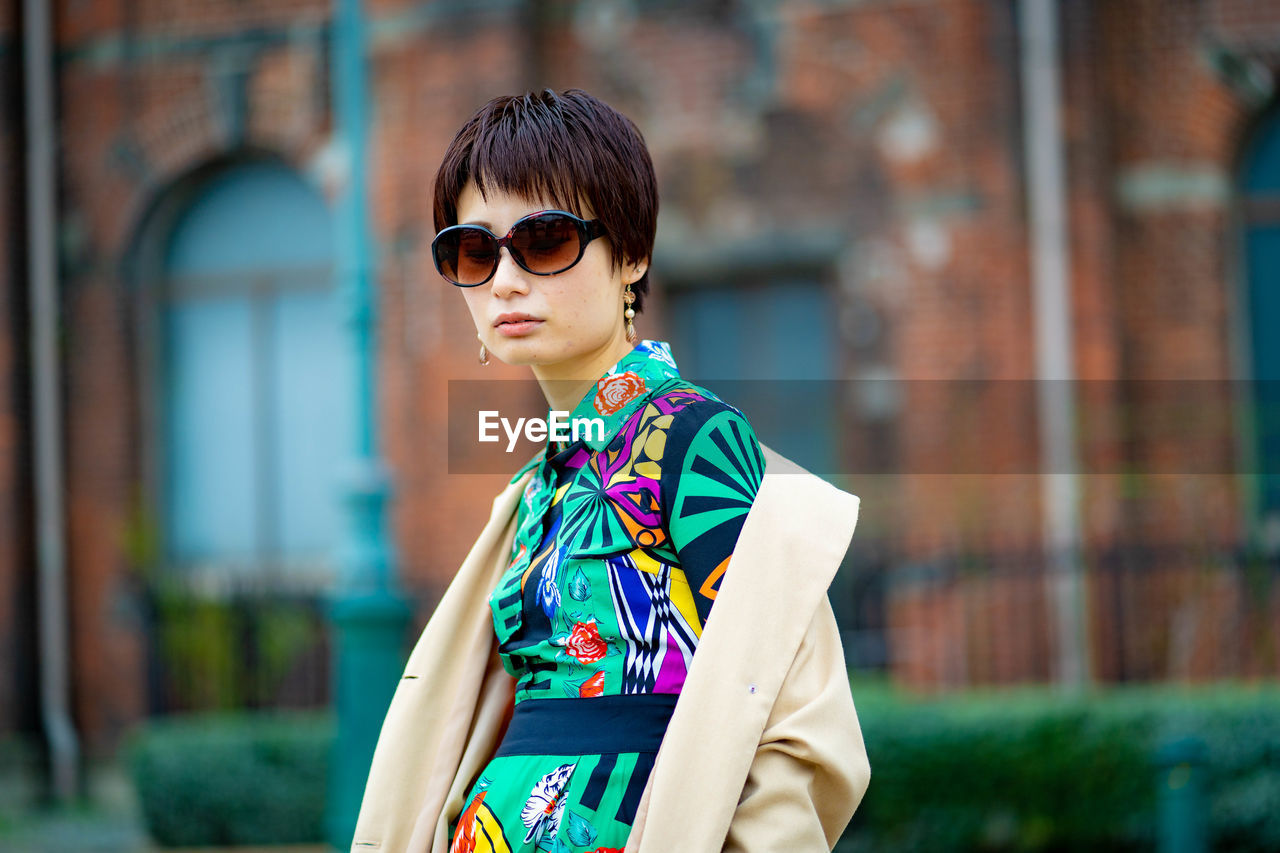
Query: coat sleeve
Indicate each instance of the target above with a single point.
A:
(810, 769)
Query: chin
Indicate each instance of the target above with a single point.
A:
(518, 351)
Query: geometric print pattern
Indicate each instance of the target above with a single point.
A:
(660, 638)
(622, 540)
(719, 478)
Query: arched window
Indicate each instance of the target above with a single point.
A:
(1260, 191)
(252, 373)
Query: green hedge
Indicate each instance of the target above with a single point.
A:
(1031, 769)
(248, 778)
(1017, 770)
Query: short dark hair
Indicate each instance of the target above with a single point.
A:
(568, 147)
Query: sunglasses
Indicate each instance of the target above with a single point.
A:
(543, 243)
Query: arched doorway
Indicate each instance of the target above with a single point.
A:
(249, 384)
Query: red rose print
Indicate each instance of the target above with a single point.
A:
(607, 850)
(614, 391)
(593, 686)
(585, 643)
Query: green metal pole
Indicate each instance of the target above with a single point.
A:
(1182, 826)
(368, 613)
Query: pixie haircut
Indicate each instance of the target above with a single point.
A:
(570, 148)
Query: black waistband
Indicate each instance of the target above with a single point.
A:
(597, 726)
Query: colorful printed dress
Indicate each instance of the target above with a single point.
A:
(622, 539)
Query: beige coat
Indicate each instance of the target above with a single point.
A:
(763, 751)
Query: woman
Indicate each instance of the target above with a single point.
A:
(600, 587)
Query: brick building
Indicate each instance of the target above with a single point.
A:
(844, 199)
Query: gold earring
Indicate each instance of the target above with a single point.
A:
(484, 355)
(628, 297)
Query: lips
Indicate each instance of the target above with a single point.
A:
(516, 324)
(513, 317)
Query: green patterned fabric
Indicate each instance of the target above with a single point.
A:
(622, 541)
(573, 803)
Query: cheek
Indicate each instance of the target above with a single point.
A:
(602, 295)
(589, 308)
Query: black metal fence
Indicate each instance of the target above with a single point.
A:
(1152, 612)
(235, 648)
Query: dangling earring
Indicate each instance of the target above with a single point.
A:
(484, 355)
(628, 297)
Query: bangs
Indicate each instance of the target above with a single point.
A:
(527, 152)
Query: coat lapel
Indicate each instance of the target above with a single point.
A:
(791, 545)
(432, 712)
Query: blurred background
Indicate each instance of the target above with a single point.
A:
(1020, 260)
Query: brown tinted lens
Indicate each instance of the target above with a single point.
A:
(547, 244)
(445, 248)
(471, 254)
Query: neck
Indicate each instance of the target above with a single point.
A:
(565, 383)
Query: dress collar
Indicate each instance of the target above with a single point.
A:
(617, 394)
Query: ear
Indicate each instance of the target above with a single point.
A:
(634, 272)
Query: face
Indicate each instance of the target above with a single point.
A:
(577, 314)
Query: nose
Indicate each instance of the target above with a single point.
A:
(509, 278)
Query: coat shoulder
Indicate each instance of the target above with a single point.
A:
(802, 482)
